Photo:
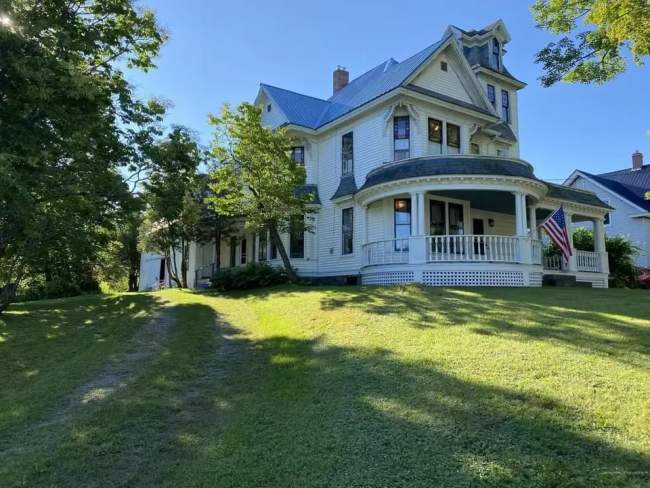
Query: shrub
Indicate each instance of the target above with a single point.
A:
(253, 275)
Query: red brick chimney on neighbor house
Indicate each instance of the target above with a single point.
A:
(341, 78)
(637, 160)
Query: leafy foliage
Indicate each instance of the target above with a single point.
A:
(253, 275)
(594, 54)
(172, 219)
(256, 179)
(68, 124)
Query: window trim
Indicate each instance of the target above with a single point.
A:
(449, 124)
(344, 162)
(396, 120)
(293, 154)
(263, 247)
(347, 231)
(496, 51)
(505, 105)
(292, 235)
(243, 251)
(395, 224)
(493, 100)
(429, 121)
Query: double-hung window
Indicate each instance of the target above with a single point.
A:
(243, 253)
(402, 216)
(435, 136)
(492, 95)
(262, 250)
(453, 139)
(401, 137)
(297, 238)
(347, 230)
(505, 106)
(347, 153)
(298, 155)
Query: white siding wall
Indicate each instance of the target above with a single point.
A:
(637, 230)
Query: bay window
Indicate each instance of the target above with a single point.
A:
(402, 219)
(453, 139)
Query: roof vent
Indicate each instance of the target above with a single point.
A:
(637, 160)
(341, 78)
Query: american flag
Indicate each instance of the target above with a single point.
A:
(555, 226)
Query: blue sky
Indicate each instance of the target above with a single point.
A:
(220, 51)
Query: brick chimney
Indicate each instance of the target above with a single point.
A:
(341, 78)
(637, 160)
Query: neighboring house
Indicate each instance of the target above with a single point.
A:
(627, 191)
(415, 171)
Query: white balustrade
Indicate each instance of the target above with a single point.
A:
(450, 248)
(473, 248)
(588, 261)
(392, 251)
(536, 251)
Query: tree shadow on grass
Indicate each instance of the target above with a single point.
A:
(610, 323)
(283, 411)
(220, 408)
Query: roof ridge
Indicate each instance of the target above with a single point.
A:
(365, 73)
(295, 92)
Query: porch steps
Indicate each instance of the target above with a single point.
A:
(564, 281)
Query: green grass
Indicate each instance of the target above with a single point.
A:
(330, 387)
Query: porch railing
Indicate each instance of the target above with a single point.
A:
(392, 251)
(503, 249)
(554, 263)
(452, 248)
(588, 261)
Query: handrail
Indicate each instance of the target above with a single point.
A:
(390, 251)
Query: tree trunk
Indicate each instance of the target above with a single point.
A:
(275, 237)
(185, 250)
(172, 268)
(217, 248)
(134, 272)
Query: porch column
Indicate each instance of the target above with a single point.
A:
(525, 251)
(417, 244)
(532, 221)
(599, 243)
(573, 261)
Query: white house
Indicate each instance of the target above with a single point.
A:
(415, 171)
(627, 191)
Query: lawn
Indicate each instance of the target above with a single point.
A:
(328, 387)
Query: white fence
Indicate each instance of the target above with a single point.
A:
(471, 248)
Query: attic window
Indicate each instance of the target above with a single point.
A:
(268, 107)
(496, 54)
(443, 65)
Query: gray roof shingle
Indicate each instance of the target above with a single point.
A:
(347, 187)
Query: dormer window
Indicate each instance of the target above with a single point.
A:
(496, 54)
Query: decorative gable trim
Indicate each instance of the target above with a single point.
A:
(464, 72)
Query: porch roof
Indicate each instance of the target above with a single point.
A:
(453, 165)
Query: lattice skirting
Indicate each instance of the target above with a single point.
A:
(596, 283)
(473, 278)
(388, 278)
(535, 279)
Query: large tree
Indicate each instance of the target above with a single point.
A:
(256, 179)
(68, 124)
(172, 193)
(597, 35)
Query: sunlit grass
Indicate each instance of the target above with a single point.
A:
(292, 386)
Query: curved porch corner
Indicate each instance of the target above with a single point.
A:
(469, 221)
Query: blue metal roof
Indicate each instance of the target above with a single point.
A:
(629, 184)
(314, 112)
